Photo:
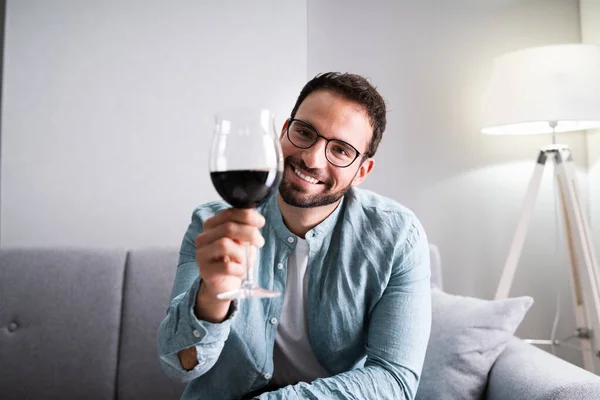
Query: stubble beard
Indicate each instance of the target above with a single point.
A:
(295, 196)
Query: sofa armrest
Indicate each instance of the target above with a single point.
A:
(525, 372)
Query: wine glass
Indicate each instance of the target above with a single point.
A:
(246, 167)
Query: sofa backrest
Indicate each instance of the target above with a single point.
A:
(148, 281)
(435, 261)
(82, 323)
(60, 312)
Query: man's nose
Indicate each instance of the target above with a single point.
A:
(314, 157)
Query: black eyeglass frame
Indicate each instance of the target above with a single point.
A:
(291, 120)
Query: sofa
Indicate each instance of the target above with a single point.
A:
(81, 324)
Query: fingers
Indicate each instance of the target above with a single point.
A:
(230, 268)
(219, 283)
(246, 216)
(232, 230)
(221, 249)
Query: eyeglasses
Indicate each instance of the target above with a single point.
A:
(303, 135)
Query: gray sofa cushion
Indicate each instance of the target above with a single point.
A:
(467, 335)
(60, 313)
(148, 280)
(525, 372)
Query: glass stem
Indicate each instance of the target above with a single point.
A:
(248, 282)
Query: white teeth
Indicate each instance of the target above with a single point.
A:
(306, 178)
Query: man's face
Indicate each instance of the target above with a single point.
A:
(334, 117)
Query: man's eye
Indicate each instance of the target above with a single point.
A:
(340, 151)
(304, 133)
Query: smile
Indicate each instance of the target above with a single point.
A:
(306, 178)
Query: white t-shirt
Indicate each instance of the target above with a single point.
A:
(293, 357)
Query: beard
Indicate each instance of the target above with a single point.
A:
(295, 196)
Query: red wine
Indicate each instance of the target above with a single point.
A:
(246, 188)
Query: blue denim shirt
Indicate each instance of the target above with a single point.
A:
(368, 315)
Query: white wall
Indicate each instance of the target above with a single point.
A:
(590, 33)
(108, 105)
(431, 60)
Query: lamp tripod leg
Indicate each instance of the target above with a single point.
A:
(510, 266)
(585, 273)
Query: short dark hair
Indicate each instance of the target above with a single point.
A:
(356, 88)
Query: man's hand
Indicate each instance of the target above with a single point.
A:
(220, 254)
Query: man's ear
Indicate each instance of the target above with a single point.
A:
(285, 125)
(363, 171)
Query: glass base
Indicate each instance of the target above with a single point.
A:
(248, 292)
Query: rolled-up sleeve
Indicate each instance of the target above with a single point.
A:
(181, 329)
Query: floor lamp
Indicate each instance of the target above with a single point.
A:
(549, 90)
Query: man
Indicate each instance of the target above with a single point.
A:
(353, 267)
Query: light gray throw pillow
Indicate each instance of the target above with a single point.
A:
(467, 335)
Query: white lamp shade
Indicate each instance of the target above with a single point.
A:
(531, 88)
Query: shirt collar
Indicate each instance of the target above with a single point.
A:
(272, 214)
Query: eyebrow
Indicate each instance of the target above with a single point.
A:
(316, 130)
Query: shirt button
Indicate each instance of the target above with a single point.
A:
(267, 376)
(314, 234)
(196, 333)
(280, 266)
(12, 326)
(291, 239)
(273, 321)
